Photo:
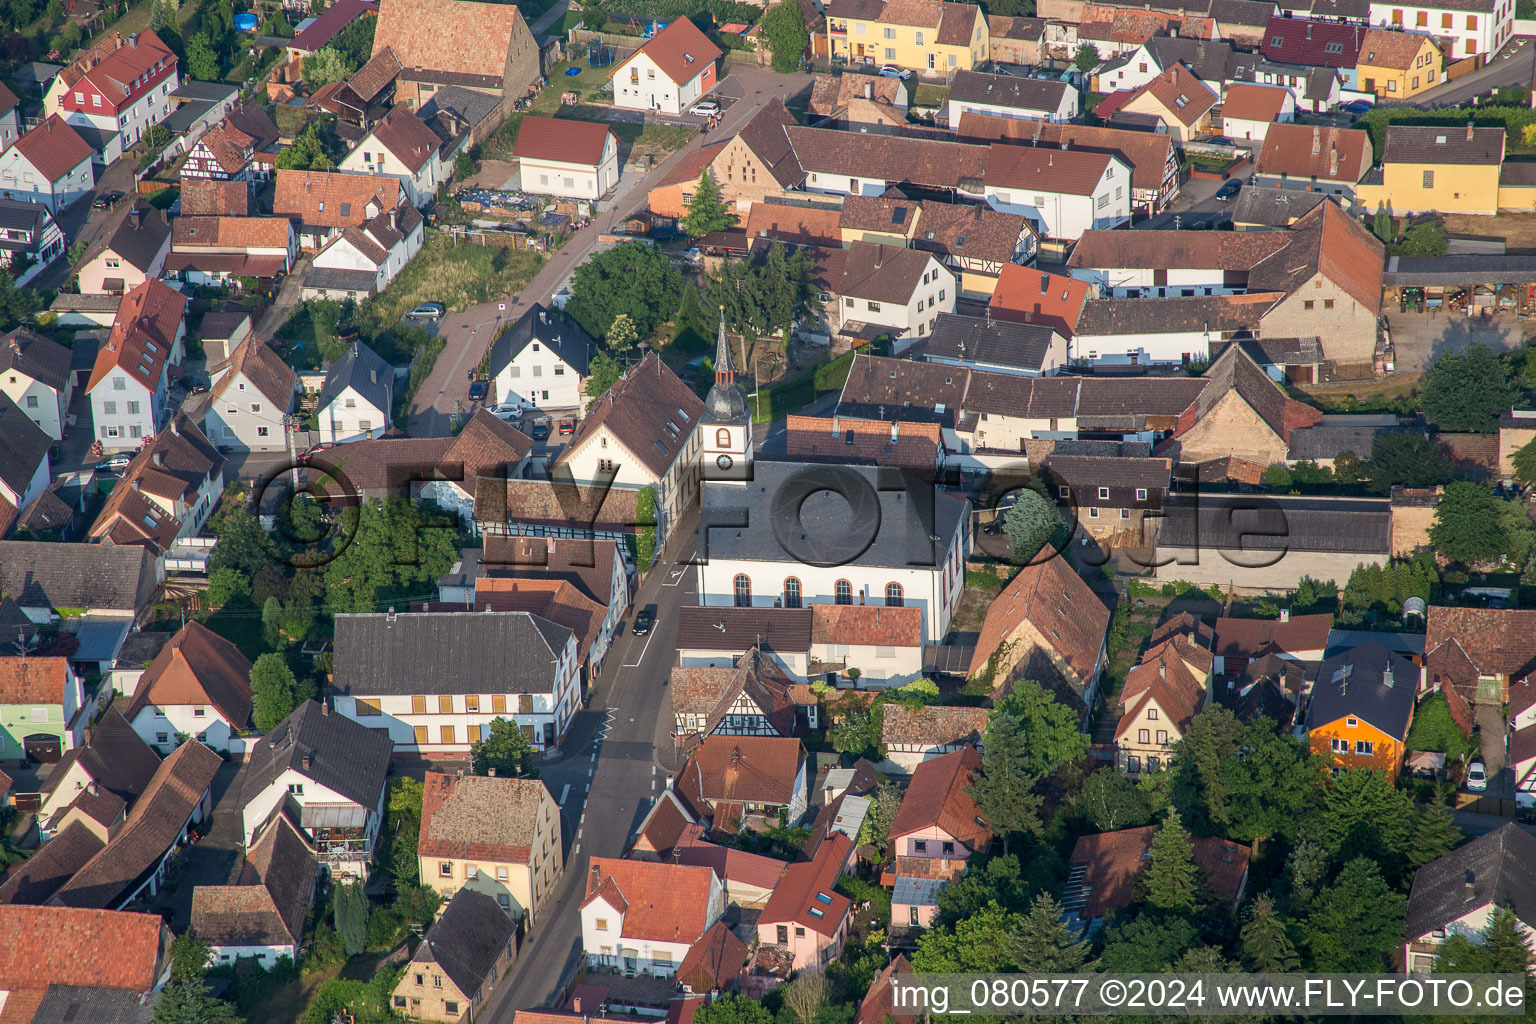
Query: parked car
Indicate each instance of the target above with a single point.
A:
(477, 389)
(1229, 188)
(508, 411)
(540, 431)
(115, 464)
(1477, 776)
(428, 311)
(892, 71)
(1220, 140)
(567, 425)
(107, 200)
(194, 383)
(1356, 106)
(645, 618)
(705, 108)
(303, 457)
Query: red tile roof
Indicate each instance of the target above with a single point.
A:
(879, 1003)
(1310, 151)
(714, 961)
(1026, 295)
(1253, 638)
(197, 667)
(407, 136)
(114, 74)
(67, 946)
(742, 769)
(143, 334)
(1178, 91)
(937, 798)
(728, 863)
(1248, 102)
(33, 680)
(659, 902)
(933, 726)
(554, 138)
(866, 625)
(1112, 860)
(807, 895)
(1064, 611)
(1320, 44)
(1068, 171)
(54, 148)
(464, 38)
(477, 817)
(680, 50)
(1464, 643)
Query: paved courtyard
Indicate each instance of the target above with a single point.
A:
(1420, 337)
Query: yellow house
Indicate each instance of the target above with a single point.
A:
(925, 36)
(1397, 65)
(496, 836)
(1427, 168)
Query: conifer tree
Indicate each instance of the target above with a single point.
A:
(1265, 946)
(1173, 881)
(1042, 942)
(706, 210)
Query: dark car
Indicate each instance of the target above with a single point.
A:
(540, 431)
(477, 389)
(1356, 107)
(1229, 189)
(107, 200)
(194, 383)
(645, 618)
(567, 425)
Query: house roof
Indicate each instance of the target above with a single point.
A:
(468, 39)
(23, 447)
(172, 468)
(1416, 144)
(1039, 94)
(1353, 526)
(1147, 153)
(711, 692)
(115, 757)
(154, 824)
(561, 139)
(555, 502)
(680, 50)
(1368, 682)
(879, 273)
(587, 565)
(931, 726)
(1066, 171)
(260, 364)
(847, 440)
(1464, 643)
(1166, 679)
(1274, 207)
(931, 162)
(142, 335)
(1247, 102)
(1035, 296)
(1108, 471)
(1329, 242)
(1235, 372)
(343, 755)
(48, 946)
(786, 630)
(879, 1003)
(1393, 49)
(660, 902)
(54, 148)
(407, 137)
(58, 575)
(330, 24)
(482, 818)
(1065, 613)
(232, 148)
(650, 411)
(797, 224)
(142, 234)
(1325, 44)
(33, 680)
(807, 895)
(271, 901)
(664, 824)
(559, 601)
(866, 625)
(742, 770)
(36, 879)
(1497, 867)
(335, 200)
(714, 961)
(1314, 152)
(1253, 638)
(365, 372)
(231, 232)
(468, 938)
(730, 865)
(960, 231)
(554, 330)
(1175, 250)
(937, 797)
(445, 652)
(830, 93)
(1180, 92)
(1112, 860)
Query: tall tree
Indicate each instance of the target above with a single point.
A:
(1030, 522)
(189, 956)
(706, 210)
(351, 908)
(202, 58)
(1406, 459)
(1111, 801)
(189, 1002)
(1466, 527)
(603, 372)
(1524, 461)
(806, 995)
(733, 1009)
(1173, 881)
(1467, 389)
(1306, 869)
(632, 278)
(1434, 834)
(1043, 944)
(506, 749)
(978, 943)
(786, 36)
(1087, 58)
(1381, 224)
(876, 829)
(1265, 946)
(395, 549)
(692, 329)
(1270, 784)
(1146, 943)
(324, 66)
(1005, 793)
(274, 691)
(1052, 737)
(622, 335)
(1356, 922)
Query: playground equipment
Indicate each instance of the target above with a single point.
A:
(599, 54)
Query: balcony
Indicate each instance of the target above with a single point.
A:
(836, 30)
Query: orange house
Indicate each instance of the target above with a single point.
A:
(1361, 708)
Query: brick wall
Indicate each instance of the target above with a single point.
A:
(1347, 329)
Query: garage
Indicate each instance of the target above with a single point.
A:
(42, 748)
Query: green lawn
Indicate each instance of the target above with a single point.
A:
(588, 84)
(459, 276)
(930, 95)
(241, 626)
(655, 140)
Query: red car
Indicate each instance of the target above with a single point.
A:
(303, 457)
(568, 425)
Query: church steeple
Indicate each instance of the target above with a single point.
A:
(725, 403)
(725, 373)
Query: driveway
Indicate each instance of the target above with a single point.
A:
(1196, 205)
(287, 297)
(213, 860)
(79, 221)
(1420, 337)
(471, 332)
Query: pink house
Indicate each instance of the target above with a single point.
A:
(136, 252)
(805, 916)
(937, 828)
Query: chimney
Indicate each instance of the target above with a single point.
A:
(325, 707)
(576, 1004)
(158, 457)
(869, 90)
(94, 788)
(16, 346)
(133, 40)
(879, 256)
(1468, 887)
(1285, 615)
(309, 761)
(1333, 161)
(595, 879)
(1469, 131)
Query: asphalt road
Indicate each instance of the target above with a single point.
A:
(1511, 66)
(615, 766)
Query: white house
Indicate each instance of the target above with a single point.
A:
(198, 686)
(247, 406)
(1456, 894)
(331, 772)
(215, 249)
(30, 239)
(644, 916)
(570, 159)
(910, 550)
(356, 401)
(51, 165)
(131, 377)
(262, 917)
(1178, 330)
(402, 146)
(885, 644)
(35, 374)
(1248, 110)
(1063, 192)
(672, 71)
(540, 362)
(118, 88)
(361, 261)
(874, 287)
(1171, 263)
(1034, 99)
(23, 459)
(434, 681)
(10, 118)
(167, 492)
(1464, 29)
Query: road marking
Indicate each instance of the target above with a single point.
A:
(653, 771)
(594, 755)
(565, 793)
(589, 773)
(675, 577)
(578, 835)
(588, 789)
(648, 637)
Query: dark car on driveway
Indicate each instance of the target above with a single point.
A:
(645, 618)
(194, 383)
(1229, 188)
(540, 431)
(107, 200)
(477, 389)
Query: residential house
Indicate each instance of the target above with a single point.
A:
(1016, 40)
(806, 916)
(135, 253)
(324, 204)
(1131, 70)
(1242, 422)
(670, 72)
(756, 163)
(455, 969)
(884, 644)
(1046, 625)
(30, 239)
(716, 637)
(928, 37)
(1111, 496)
(198, 687)
(1454, 170)
(1160, 698)
(642, 433)
(222, 330)
(876, 290)
(24, 472)
(326, 773)
(848, 163)
(10, 118)
(913, 736)
(566, 158)
(1294, 638)
(541, 361)
(729, 779)
(937, 828)
(555, 509)
(130, 380)
(1247, 111)
(1026, 295)
(401, 146)
(1177, 98)
(261, 917)
(1458, 893)
(434, 681)
(166, 494)
(1265, 209)
(238, 149)
(888, 563)
(1467, 29)
(1170, 263)
(1485, 654)
(1308, 42)
(485, 49)
(46, 963)
(214, 250)
(749, 878)
(117, 89)
(41, 705)
(195, 108)
(974, 242)
(713, 962)
(1103, 869)
(357, 400)
(1397, 65)
(1061, 192)
(113, 759)
(643, 916)
(360, 262)
(1312, 158)
(48, 578)
(49, 165)
(1360, 709)
(749, 699)
(211, 197)
(136, 860)
(845, 96)
(252, 393)
(662, 829)
(1270, 688)
(1034, 99)
(560, 602)
(879, 1003)
(495, 836)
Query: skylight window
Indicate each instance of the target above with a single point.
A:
(816, 912)
(822, 897)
